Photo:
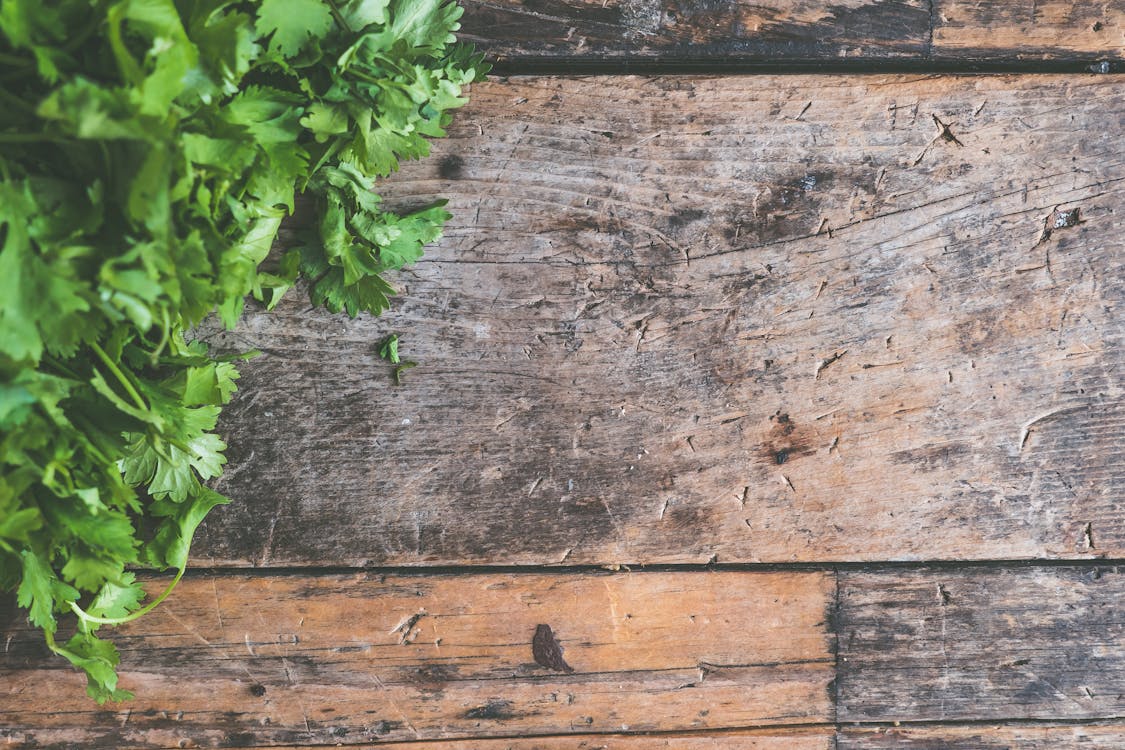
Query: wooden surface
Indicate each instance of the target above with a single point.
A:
(711, 370)
(803, 739)
(742, 319)
(789, 31)
(368, 657)
(972, 645)
(986, 737)
(364, 657)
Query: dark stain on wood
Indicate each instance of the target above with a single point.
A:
(930, 458)
(436, 675)
(547, 651)
(451, 167)
(239, 739)
(785, 208)
(786, 441)
(496, 710)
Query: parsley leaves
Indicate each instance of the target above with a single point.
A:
(149, 152)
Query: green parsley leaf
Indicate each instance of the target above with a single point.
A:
(150, 153)
(292, 23)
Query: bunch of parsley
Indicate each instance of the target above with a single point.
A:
(149, 152)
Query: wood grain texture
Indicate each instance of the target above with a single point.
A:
(768, 739)
(780, 31)
(670, 30)
(239, 661)
(981, 645)
(1030, 29)
(999, 737)
(738, 319)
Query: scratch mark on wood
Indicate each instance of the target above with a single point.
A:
(823, 364)
(406, 627)
(946, 134)
(1057, 219)
(534, 486)
(1026, 429)
(394, 705)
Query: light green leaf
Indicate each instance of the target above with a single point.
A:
(292, 23)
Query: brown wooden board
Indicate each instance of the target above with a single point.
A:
(668, 30)
(1029, 29)
(986, 737)
(768, 739)
(674, 320)
(777, 32)
(981, 645)
(238, 661)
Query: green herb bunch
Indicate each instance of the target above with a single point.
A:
(149, 152)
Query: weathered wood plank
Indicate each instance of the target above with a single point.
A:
(671, 30)
(1030, 29)
(780, 31)
(767, 739)
(751, 319)
(261, 660)
(984, 738)
(981, 645)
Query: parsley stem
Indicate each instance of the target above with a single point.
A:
(91, 446)
(56, 648)
(328, 154)
(50, 638)
(54, 364)
(119, 375)
(339, 17)
(154, 358)
(87, 617)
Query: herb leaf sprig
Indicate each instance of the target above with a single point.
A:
(149, 152)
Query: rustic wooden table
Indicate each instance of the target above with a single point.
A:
(754, 410)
